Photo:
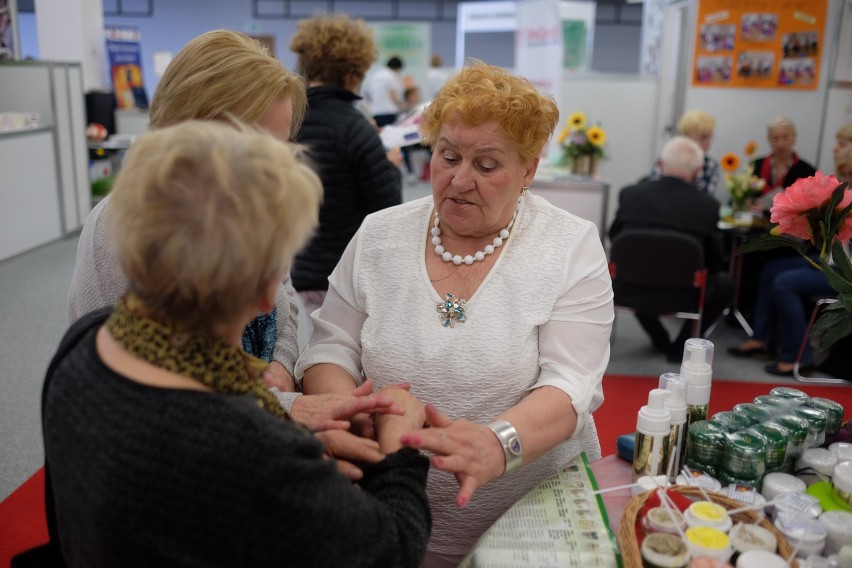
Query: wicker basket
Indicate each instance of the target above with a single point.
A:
(632, 556)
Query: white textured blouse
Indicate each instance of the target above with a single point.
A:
(542, 316)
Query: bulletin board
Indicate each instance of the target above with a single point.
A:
(763, 44)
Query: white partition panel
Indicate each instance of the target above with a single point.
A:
(29, 211)
(77, 111)
(25, 89)
(625, 107)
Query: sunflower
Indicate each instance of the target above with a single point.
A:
(751, 148)
(596, 136)
(563, 135)
(577, 120)
(730, 162)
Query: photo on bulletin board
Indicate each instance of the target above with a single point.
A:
(717, 38)
(757, 44)
(756, 65)
(759, 27)
(713, 70)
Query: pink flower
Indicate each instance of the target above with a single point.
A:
(791, 207)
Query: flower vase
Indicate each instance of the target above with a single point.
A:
(742, 215)
(584, 165)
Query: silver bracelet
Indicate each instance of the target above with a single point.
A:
(511, 443)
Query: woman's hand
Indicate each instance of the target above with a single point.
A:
(335, 411)
(470, 451)
(391, 428)
(346, 448)
(276, 375)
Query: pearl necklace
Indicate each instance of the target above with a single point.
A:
(480, 255)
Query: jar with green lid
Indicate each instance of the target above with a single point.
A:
(705, 444)
(777, 438)
(731, 420)
(789, 392)
(754, 412)
(702, 468)
(726, 478)
(745, 455)
(817, 420)
(777, 404)
(798, 429)
(833, 411)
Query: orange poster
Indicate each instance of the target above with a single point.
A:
(766, 44)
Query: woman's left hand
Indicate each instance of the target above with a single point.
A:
(468, 450)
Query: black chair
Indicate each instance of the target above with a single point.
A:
(660, 273)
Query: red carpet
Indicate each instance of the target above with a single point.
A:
(624, 395)
(23, 525)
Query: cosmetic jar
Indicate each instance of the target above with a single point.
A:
(806, 535)
(707, 514)
(833, 411)
(661, 550)
(664, 520)
(710, 542)
(838, 527)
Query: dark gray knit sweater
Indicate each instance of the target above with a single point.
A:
(158, 477)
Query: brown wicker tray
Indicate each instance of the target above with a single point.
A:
(632, 556)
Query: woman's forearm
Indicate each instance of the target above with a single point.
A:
(327, 378)
(543, 419)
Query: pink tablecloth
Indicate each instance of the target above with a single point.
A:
(612, 471)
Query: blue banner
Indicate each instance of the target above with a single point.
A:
(125, 62)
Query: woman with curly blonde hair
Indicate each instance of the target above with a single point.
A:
(334, 53)
(494, 304)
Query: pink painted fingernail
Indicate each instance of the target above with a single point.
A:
(438, 460)
(461, 502)
(415, 440)
(404, 440)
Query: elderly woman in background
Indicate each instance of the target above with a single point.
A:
(212, 471)
(334, 53)
(218, 73)
(783, 166)
(699, 126)
(493, 303)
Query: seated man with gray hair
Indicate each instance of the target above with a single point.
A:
(672, 202)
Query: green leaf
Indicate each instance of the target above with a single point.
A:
(768, 242)
(841, 261)
(832, 326)
(836, 197)
(835, 280)
(832, 221)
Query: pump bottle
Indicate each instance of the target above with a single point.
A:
(653, 428)
(697, 371)
(674, 384)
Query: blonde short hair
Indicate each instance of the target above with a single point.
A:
(780, 122)
(224, 72)
(481, 93)
(845, 133)
(331, 48)
(695, 122)
(204, 215)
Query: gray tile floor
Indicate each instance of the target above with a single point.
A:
(33, 317)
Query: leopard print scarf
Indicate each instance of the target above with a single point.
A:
(190, 353)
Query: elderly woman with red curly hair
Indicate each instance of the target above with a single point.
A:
(494, 304)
